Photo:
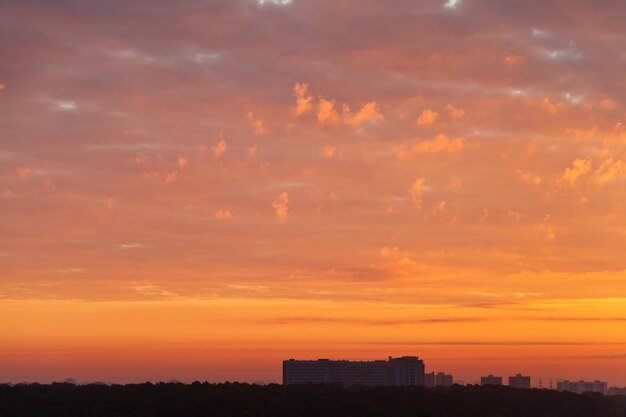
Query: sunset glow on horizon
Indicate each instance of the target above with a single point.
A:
(198, 190)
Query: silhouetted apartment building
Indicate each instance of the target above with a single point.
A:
(359, 372)
(443, 380)
(490, 380)
(439, 379)
(407, 370)
(519, 381)
(306, 372)
(582, 386)
(429, 380)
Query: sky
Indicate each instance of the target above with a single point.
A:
(197, 190)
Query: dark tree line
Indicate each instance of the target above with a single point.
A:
(243, 400)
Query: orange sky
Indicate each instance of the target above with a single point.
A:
(199, 190)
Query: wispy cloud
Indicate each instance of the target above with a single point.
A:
(281, 206)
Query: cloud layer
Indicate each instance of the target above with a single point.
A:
(244, 153)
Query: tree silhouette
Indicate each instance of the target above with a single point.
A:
(244, 400)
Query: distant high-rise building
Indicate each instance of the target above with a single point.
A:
(519, 381)
(579, 387)
(306, 372)
(490, 380)
(439, 379)
(359, 372)
(443, 380)
(429, 380)
(407, 370)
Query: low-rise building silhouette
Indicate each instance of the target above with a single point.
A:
(443, 380)
(429, 380)
(439, 379)
(490, 380)
(407, 370)
(579, 387)
(519, 381)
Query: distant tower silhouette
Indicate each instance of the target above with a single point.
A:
(540, 384)
(550, 383)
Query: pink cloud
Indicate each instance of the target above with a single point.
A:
(579, 168)
(258, 125)
(23, 171)
(367, 113)
(416, 192)
(182, 161)
(455, 112)
(281, 206)
(303, 101)
(427, 117)
(326, 113)
(223, 214)
(440, 143)
(220, 147)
